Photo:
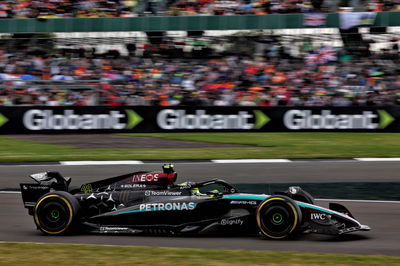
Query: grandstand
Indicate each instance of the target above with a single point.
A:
(267, 60)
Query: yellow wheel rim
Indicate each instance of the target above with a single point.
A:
(258, 217)
(37, 221)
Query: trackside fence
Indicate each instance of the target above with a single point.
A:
(103, 119)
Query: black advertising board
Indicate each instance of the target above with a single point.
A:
(102, 119)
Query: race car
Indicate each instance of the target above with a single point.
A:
(151, 203)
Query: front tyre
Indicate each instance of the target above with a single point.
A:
(278, 217)
(56, 213)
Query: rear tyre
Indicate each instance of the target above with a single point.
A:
(56, 213)
(278, 217)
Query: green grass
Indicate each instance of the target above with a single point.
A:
(65, 254)
(261, 145)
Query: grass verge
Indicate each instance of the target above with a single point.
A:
(261, 145)
(66, 254)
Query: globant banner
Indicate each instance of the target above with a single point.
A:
(89, 119)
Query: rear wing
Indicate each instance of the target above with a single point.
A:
(45, 182)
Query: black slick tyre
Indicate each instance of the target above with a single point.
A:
(278, 217)
(56, 213)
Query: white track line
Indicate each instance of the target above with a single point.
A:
(10, 192)
(244, 161)
(377, 159)
(253, 161)
(99, 162)
(29, 165)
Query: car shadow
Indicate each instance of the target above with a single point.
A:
(330, 238)
(345, 238)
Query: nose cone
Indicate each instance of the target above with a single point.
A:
(365, 228)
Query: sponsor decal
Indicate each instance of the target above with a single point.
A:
(133, 119)
(385, 119)
(318, 216)
(34, 187)
(185, 186)
(87, 188)
(39, 176)
(175, 206)
(261, 119)
(147, 177)
(38, 119)
(244, 202)
(231, 222)
(162, 193)
(133, 186)
(170, 119)
(306, 119)
(3, 119)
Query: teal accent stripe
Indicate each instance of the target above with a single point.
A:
(309, 206)
(245, 197)
(146, 210)
(131, 211)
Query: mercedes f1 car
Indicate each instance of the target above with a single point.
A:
(151, 202)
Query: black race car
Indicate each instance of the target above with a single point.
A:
(151, 202)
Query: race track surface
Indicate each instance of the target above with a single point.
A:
(383, 217)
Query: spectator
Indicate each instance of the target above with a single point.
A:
(322, 77)
(129, 8)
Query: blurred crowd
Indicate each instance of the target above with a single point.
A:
(317, 77)
(130, 8)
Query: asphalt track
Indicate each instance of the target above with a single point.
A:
(383, 217)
